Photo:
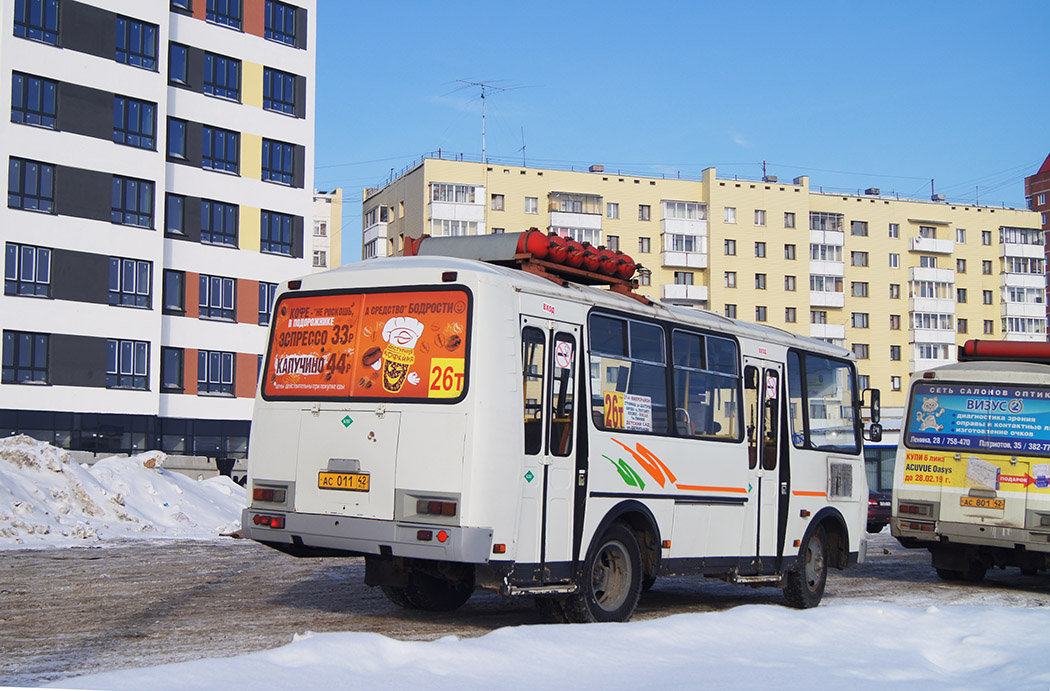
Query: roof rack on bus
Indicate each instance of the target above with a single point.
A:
(1022, 351)
(551, 256)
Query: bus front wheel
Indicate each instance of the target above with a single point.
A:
(804, 585)
(611, 581)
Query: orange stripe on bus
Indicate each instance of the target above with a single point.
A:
(810, 494)
(702, 488)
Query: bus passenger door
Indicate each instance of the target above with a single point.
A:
(763, 387)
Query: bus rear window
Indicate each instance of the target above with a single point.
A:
(407, 344)
(979, 417)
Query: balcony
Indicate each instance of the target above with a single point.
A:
(1024, 309)
(823, 268)
(683, 226)
(684, 260)
(376, 230)
(460, 211)
(941, 305)
(1023, 281)
(1030, 251)
(819, 298)
(931, 336)
(931, 245)
(921, 273)
(827, 237)
(570, 219)
(828, 331)
(1013, 336)
(918, 364)
(670, 292)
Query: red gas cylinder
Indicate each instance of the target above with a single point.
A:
(533, 242)
(557, 249)
(590, 257)
(574, 253)
(607, 261)
(626, 268)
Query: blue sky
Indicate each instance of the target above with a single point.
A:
(853, 94)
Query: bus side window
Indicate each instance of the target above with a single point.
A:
(771, 413)
(562, 392)
(533, 359)
(751, 411)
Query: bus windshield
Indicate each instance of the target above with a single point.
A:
(979, 417)
(403, 344)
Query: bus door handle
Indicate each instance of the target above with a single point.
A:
(783, 489)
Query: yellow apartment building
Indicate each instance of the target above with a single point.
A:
(900, 282)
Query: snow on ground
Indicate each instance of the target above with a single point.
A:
(47, 499)
(750, 647)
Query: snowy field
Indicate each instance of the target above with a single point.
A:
(45, 500)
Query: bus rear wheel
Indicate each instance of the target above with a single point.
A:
(431, 593)
(611, 581)
(804, 584)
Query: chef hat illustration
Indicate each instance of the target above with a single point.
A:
(403, 332)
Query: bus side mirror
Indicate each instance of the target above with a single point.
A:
(874, 433)
(872, 397)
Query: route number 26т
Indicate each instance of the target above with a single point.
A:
(446, 378)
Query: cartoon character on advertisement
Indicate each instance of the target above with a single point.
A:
(401, 335)
(926, 417)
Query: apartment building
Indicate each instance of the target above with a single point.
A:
(1037, 198)
(901, 282)
(328, 229)
(159, 176)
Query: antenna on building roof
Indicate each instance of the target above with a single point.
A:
(491, 87)
(522, 149)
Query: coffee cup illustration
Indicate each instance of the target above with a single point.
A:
(401, 335)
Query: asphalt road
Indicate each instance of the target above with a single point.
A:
(68, 612)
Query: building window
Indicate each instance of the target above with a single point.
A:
(499, 231)
(1041, 198)
(25, 358)
(134, 123)
(860, 350)
(960, 294)
(217, 298)
(961, 325)
(859, 320)
(789, 219)
(276, 233)
(27, 270)
(177, 138)
(760, 281)
(760, 249)
(818, 317)
(278, 162)
(33, 100)
(222, 76)
(895, 383)
(760, 217)
(612, 242)
(929, 232)
(729, 214)
(175, 214)
(497, 202)
(320, 259)
(221, 149)
(729, 247)
(863, 381)
(184, 5)
(645, 277)
(895, 352)
(280, 22)
(960, 236)
(320, 229)
(278, 91)
(859, 289)
(267, 292)
(895, 230)
(858, 258)
(858, 228)
(987, 296)
(730, 279)
(30, 185)
(643, 245)
(127, 366)
(730, 311)
(214, 372)
(130, 282)
(789, 283)
(225, 12)
(532, 205)
(928, 262)
(989, 326)
(986, 237)
(643, 212)
(174, 291)
(895, 261)
(137, 43)
(895, 291)
(612, 210)
(219, 222)
(171, 369)
(960, 266)
(986, 267)
(37, 20)
(789, 251)
(895, 322)
(178, 64)
(790, 315)
(760, 313)
(132, 202)
(683, 278)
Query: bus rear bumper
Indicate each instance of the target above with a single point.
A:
(942, 532)
(303, 534)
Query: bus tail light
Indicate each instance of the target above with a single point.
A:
(432, 507)
(499, 548)
(915, 509)
(270, 494)
(918, 525)
(268, 521)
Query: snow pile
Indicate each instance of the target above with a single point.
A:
(749, 647)
(46, 499)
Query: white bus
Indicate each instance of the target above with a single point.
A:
(463, 424)
(972, 475)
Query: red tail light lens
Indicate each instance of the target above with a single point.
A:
(268, 521)
(433, 507)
